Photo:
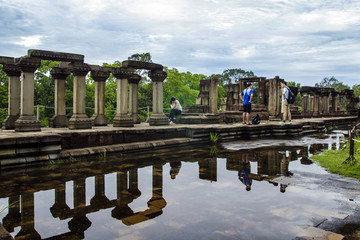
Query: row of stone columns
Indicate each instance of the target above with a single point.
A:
(21, 95)
(316, 102)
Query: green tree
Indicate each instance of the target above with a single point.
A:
(356, 89)
(332, 83)
(3, 95)
(182, 85)
(232, 75)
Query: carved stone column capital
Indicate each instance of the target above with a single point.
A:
(123, 72)
(28, 64)
(157, 75)
(135, 79)
(79, 69)
(12, 70)
(59, 73)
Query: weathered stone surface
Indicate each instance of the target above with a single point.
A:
(122, 72)
(142, 65)
(59, 73)
(157, 75)
(28, 64)
(55, 56)
(7, 60)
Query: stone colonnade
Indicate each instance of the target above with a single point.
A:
(21, 91)
(316, 102)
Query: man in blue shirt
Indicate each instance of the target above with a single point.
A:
(246, 97)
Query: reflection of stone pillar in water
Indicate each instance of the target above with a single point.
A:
(79, 223)
(122, 210)
(13, 96)
(100, 197)
(122, 118)
(59, 119)
(27, 218)
(13, 218)
(60, 207)
(157, 201)
(27, 122)
(208, 169)
(79, 119)
(133, 183)
(158, 117)
(273, 163)
(133, 97)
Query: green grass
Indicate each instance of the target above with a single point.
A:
(333, 161)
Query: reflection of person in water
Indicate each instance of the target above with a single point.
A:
(284, 168)
(175, 168)
(244, 173)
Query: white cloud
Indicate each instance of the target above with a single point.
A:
(30, 41)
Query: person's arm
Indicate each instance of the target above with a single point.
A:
(251, 97)
(283, 94)
(176, 105)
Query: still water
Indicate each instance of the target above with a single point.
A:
(264, 189)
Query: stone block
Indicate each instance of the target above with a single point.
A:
(55, 56)
(142, 65)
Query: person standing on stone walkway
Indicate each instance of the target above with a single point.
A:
(175, 109)
(246, 97)
(285, 106)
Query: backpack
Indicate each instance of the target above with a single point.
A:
(291, 96)
(256, 120)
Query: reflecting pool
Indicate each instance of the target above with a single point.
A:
(264, 189)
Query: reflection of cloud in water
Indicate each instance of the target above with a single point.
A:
(304, 141)
(189, 186)
(285, 213)
(175, 224)
(221, 185)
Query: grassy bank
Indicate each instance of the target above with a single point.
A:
(333, 161)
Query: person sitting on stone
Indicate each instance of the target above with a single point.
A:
(175, 109)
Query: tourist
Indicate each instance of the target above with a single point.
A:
(246, 97)
(175, 109)
(285, 106)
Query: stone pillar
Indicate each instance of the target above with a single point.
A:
(316, 103)
(350, 102)
(305, 102)
(341, 103)
(133, 97)
(334, 103)
(79, 119)
(99, 76)
(274, 106)
(59, 119)
(312, 104)
(261, 97)
(122, 118)
(213, 96)
(27, 122)
(13, 96)
(158, 117)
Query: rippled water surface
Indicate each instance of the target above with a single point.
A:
(264, 189)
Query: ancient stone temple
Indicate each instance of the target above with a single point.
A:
(206, 109)
(315, 102)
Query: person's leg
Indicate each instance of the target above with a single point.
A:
(171, 115)
(244, 114)
(289, 114)
(248, 118)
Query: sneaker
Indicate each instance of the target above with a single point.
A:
(290, 122)
(282, 123)
(171, 122)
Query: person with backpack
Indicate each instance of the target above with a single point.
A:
(246, 97)
(286, 101)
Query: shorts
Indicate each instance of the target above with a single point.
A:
(285, 107)
(247, 108)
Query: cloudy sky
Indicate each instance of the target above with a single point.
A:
(298, 40)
